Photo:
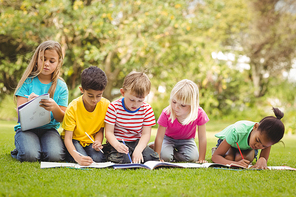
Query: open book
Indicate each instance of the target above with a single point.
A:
(152, 165)
(31, 115)
(75, 165)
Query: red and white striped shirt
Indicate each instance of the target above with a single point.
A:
(129, 125)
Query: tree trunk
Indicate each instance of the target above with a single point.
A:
(256, 77)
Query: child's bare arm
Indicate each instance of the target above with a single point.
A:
(21, 100)
(120, 147)
(145, 137)
(159, 139)
(202, 143)
(219, 154)
(262, 161)
(97, 145)
(57, 110)
(81, 160)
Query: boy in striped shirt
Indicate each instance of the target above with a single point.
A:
(130, 119)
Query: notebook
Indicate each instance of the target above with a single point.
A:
(31, 115)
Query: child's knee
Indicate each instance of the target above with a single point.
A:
(150, 155)
(54, 156)
(166, 156)
(186, 157)
(115, 158)
(99, 157)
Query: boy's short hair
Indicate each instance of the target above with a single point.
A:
(93, 78)
(138, 83)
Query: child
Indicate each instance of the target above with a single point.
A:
(42, 76)
(178, 123)
(130, 119)
(249, 136)
(85, 117)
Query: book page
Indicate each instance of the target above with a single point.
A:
(45, 164)
(281, 168)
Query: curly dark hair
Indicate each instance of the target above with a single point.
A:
(93, 78)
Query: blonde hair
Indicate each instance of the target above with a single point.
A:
(138, 83)
(185, 92)
(34, 70)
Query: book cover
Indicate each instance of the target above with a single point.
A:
(31, 115)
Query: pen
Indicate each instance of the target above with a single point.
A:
(127, 153)
(240, 151)
(79, 153)
(93, 141)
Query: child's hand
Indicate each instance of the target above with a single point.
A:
(261, 164)
(32, 96)
(121, 148)
(97, 145)
(48, 104)
(137, 157)
(84, 160)
(202, 161)
(244, 163)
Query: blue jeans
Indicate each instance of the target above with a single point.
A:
(38, 145)
(96, 156)
(179, 150)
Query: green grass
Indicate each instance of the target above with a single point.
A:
(27, 179)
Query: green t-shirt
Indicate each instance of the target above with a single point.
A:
(238, 132)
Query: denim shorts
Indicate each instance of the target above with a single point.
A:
(220, 140)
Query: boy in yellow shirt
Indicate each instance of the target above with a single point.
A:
(83, 122)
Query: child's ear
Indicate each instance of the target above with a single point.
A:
(122, 91)
(81, 89)
(256, 126)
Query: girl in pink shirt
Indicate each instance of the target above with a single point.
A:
(175, 139)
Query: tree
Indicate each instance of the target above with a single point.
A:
(270, 42)
(264, 31)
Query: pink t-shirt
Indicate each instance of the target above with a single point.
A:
(178, 131)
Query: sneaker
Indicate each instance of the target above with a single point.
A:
(14, 153)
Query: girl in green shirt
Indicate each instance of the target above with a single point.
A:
(249, 137)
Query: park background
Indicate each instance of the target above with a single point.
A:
(240, 53)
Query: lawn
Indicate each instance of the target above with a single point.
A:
(27, 179)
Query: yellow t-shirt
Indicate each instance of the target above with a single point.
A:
(79, 120)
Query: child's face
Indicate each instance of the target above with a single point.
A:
(131, 101)
(181, 110)
(51, 61)
(258, 140)
(91, 97)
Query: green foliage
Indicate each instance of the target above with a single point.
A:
(169, 40)
(8, 108)
(27, 179)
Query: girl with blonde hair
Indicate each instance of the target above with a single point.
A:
(175, 139)
(40, 77)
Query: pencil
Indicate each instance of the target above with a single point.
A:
(93, 142)
(240, 151)
(78, 153)
(127, 153)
